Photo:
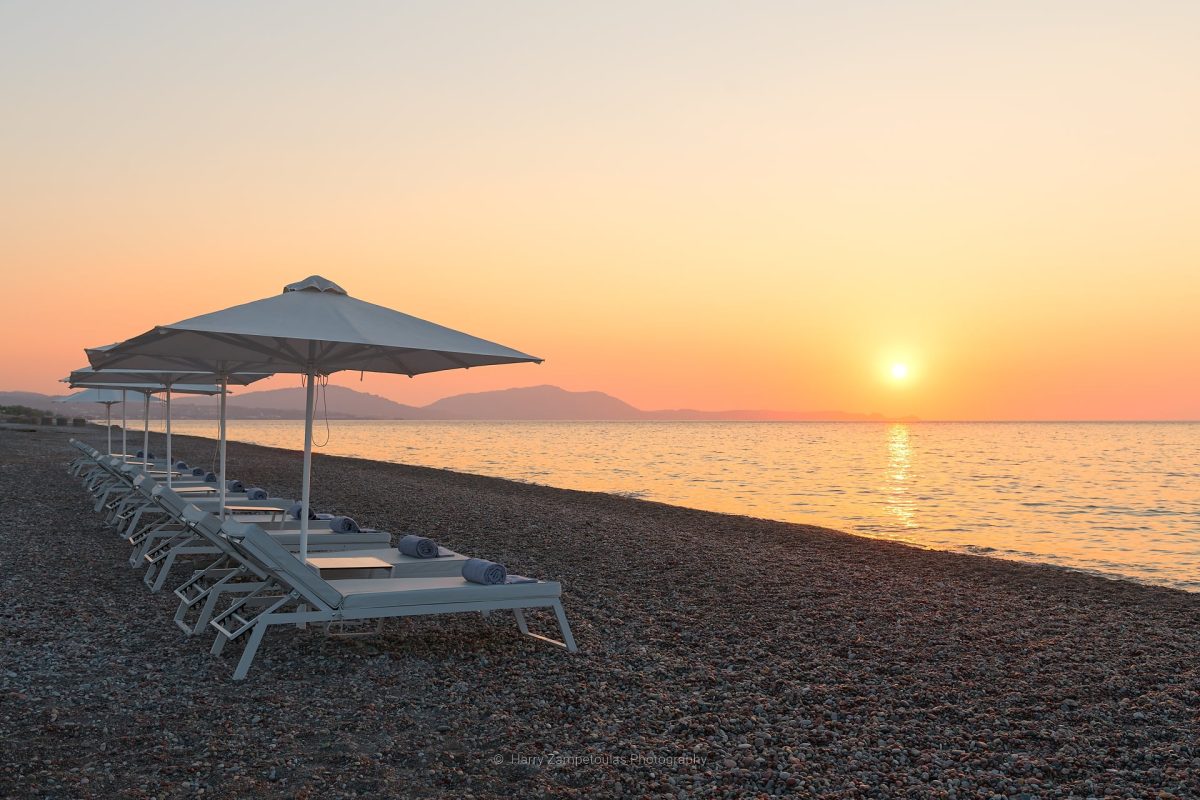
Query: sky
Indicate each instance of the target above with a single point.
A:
(684, 204)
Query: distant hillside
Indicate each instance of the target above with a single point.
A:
(532, 402)
(342, 403)
(526, 403)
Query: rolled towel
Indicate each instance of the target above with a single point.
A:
(295, 508)
(344, 525)
(210, 477)
(489, 573)
(417, 547)
(141, 454)
(255, 493)
(181, 465)
(235, 486)
(198, 472)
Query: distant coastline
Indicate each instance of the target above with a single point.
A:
(529, 403)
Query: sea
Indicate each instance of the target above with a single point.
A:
(1114, 499)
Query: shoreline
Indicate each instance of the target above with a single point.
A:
(718, 654)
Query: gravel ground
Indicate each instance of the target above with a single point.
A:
(719, 656)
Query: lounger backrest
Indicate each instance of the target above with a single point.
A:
(282, 564)
(208, 526)
(170, 501)
(209, 523)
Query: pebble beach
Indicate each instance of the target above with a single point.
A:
(720, 656)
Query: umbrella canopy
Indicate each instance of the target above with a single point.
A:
(201, 381)
(312, 327)
(106, 397)
(315, 328)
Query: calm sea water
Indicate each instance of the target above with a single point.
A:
(1113, 498)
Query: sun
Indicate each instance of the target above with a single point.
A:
(899, 371)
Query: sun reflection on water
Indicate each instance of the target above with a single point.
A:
(900, 503)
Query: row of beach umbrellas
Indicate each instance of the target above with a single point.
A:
(313, 328)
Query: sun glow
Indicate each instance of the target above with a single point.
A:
(899, 371)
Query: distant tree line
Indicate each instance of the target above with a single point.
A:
(24, 411)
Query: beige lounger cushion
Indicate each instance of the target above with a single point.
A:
(389, 592)
(292, 538)
(447, 564)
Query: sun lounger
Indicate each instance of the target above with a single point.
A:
(159, 551)
(231, 573)
(295, 594)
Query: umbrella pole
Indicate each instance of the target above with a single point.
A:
(108, 426)
(170, 463)
(124, 425)
(308, 426)
(146, 433)
(221, 480)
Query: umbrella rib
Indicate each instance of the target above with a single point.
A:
(399, 362)
(234, 341)
(339, 352)
(453, 359)
(292, 352)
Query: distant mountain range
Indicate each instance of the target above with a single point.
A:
(527, 403)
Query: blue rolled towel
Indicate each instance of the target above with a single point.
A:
(344, 525)
(417, 547)
(234, 486)
(141, 454)
(489, 573)
(210, 477)
(295, 508)
(255, 493)
(181, 465)
(198, 472)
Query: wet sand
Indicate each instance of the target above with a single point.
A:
(719, 656)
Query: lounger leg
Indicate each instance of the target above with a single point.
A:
(206, 611)
(163, 571)
(218, 644)
(134, 521)
(565, 627)
(568, 641)
(180, 613)
(256, 636)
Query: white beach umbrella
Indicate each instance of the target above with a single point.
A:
(105, 397)
(313, 328)
(171, 380)
(146, 389)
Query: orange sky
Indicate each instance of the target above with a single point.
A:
(708, 205)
